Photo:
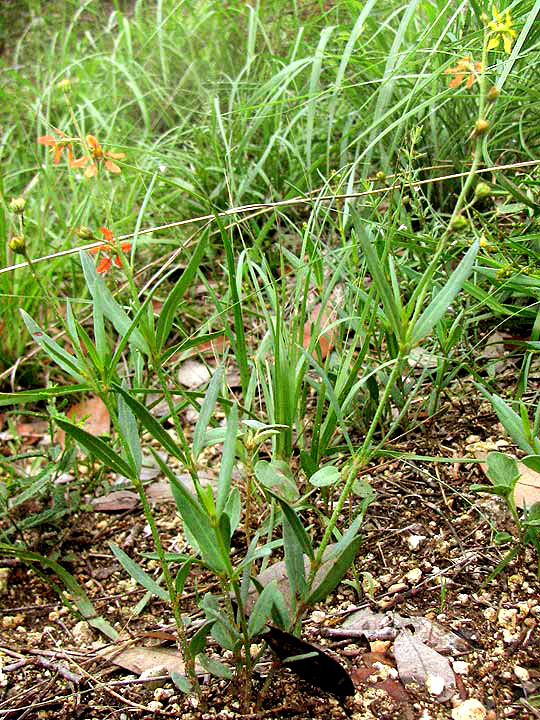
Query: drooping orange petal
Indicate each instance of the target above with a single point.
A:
(96, 250)
(107, 234)
(91, 171)
(470, 81)
(58, 150)
(104, 265)
(79, 162)
(125, 246)
(457, 80)
(112, 167)
(115, 155)
(46, 140)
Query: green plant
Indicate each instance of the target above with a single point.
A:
(503, 471)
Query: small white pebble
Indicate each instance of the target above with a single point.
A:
(415, 541)
(521, 673)
(414, 575)
(470, 709)
(434, 684)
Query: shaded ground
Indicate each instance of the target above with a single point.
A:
(427, 550)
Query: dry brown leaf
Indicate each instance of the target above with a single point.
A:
(318, 322)
(32, 432)
(142, 658)
(433, 634)
(95, 415)
(527, 490)
(160, 491)
(418, 663)
(116, 501)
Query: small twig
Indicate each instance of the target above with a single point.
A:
(57, 667)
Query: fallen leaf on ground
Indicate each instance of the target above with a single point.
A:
(527, 490)
(433, 634)
(139, 659)
(95, 415)
(318, 668)
(318, 322)
(30, 432)
(418, 663)
(193, 374)
(160, 491)
(116, 501)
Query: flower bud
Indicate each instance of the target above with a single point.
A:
(380, 176)
(482, 191)
(65, 84)
(493, 93)
(18, 245)
(459, 223)
(16, 205)
(481, 126)
(85, 233)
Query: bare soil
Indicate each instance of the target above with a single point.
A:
(427, 550)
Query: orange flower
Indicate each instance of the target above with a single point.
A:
(465, 68)
(112, 255)
(57, 145)
(96, 157)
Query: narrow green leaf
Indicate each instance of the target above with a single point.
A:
(338, 567)
(384, 289)
(205, 413)
(191, 342)
(181, 577)
(442, 301)
(227, 460)
(69, 363)
(34, 396)
(233, 508)
(137, 573)
(294, 562)
(510, 420)
(97, 447)
(196, 520)
(130, 435)
(111, 309)
(262, 609)
(296, 526)
(170, 307)
(150, 423)
(198, 641)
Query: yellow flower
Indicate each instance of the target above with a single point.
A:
(501, 29)
(465, 68)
